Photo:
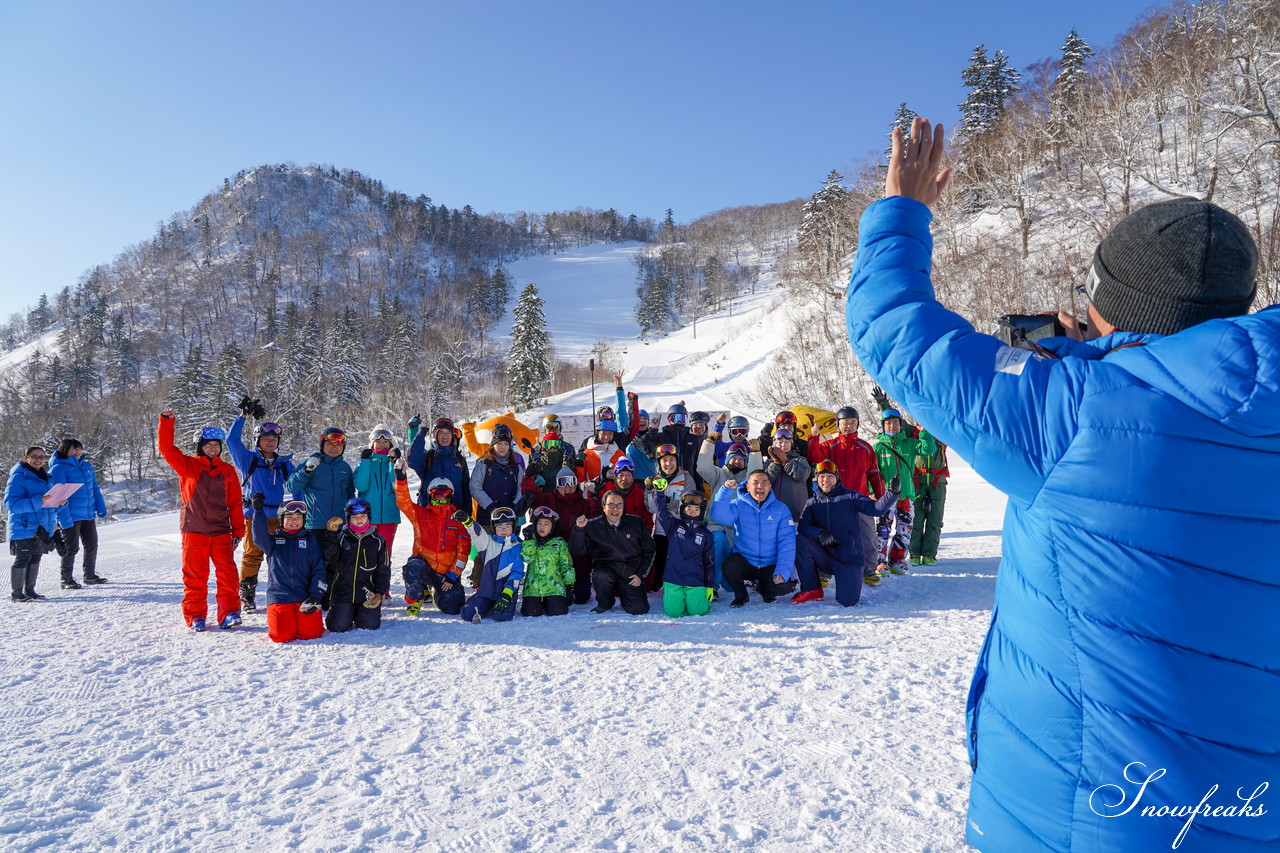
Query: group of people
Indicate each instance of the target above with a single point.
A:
(692, 508)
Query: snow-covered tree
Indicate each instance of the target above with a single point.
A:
(1064, 99)
(529, 359)
(655, 291)
(991, 82)
(826, 233)
(901, 121)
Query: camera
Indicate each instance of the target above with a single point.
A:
(1024, 330)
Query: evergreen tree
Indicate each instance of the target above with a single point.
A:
(654, 288)
(1064, 98)
(345, 371)
(826, 233)
(228, 385)
(529, 359)
(901, 121)
(39, 318)
(668, 232)
(499, 293)
(398, 354)
(991, 82)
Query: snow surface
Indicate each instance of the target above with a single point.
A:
(775, 727)
(770, 728)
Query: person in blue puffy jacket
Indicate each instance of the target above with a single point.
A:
(764, 538)
(263, 470)
(78, 517)
(1132, 664)
(326, 482)
(31, 523)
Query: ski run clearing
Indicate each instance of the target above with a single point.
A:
(776, 727)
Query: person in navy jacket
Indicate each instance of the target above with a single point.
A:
(263, 470)
(31, 523)
(295, 572)
(764, 538)
(830, 535)
(79, 517)
(1131, 671)
(442, 459)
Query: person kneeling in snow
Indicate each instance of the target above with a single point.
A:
(440, 546)
(687, 586)
(764, 538)
(621, 551)
(830, 538)
(549, 570)
(361, 570)
(295, 572)
(502, 567)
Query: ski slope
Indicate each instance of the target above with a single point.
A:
(771, 728)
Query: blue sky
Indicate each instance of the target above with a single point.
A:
(119, 114)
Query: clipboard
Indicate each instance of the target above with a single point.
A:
(59, 493)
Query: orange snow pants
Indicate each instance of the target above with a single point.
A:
(287, 622)
(198, 551)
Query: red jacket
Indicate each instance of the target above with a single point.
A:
(568, 508)
(633, 502)
(210, 489)
(855, 460)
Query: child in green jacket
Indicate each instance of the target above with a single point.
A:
(548, 567)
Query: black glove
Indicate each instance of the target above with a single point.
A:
(461, 516)
(309, 606)
(826, 539)
(366, 453)
(506, 600)
(881, 398)
(895, 485)
(415, 421)
(60, 542)
(246, 406)
(259, 411)
(258, 501)
(394, 454)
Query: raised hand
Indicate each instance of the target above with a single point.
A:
(915, 166)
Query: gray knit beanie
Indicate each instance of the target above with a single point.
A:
(1174, 264)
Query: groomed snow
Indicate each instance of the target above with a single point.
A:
(775, 727)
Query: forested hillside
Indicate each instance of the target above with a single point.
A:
(1047, 159)
(315, 288)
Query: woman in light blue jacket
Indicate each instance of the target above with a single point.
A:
(78, 517)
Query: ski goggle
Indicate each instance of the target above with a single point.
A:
(381, 433)
(785, 418)
(677, 418)
(826, 466)
(337, 437)
(624, 465)
(293, 508)
(269, 429)
(551, 443)
(692, 500)
(503, 515)
(605, 413)
(570, 479)
(737, 450)
(667, 450)
(358, 506)
(441, 493)
(738, 433)
(212, 434)
(700, 418)
(546, 512)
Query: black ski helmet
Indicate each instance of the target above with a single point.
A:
(847, 412)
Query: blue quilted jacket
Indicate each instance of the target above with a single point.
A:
(1137, 613)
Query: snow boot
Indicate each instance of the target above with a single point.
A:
(916, 560)
(414, 608)
(897, 568)
(248, 593)
(68, 582)
(929, 561)
(872, 579)
(810, 595)
(738, 601)
(91, 579)
(231, 620)
(197, 625)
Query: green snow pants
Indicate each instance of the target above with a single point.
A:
(680, 601)
(930, 502)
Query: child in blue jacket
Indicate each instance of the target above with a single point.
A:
(688, 583)
(295, 572)
(503, 567)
